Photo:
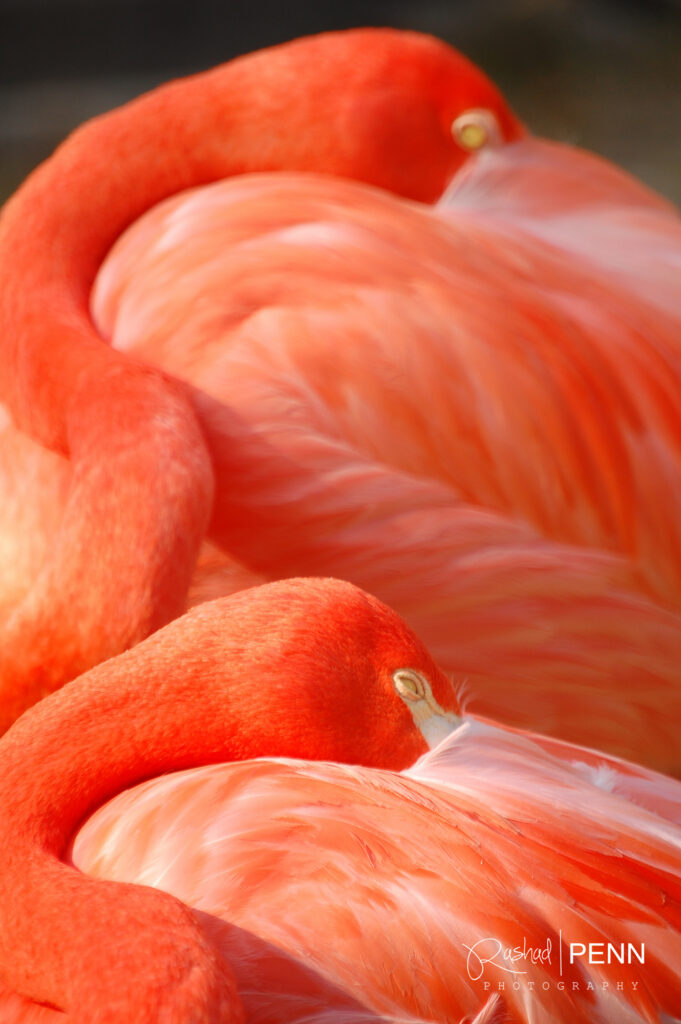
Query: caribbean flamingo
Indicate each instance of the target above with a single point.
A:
(321, 892)
(137, 535)
(495, 453)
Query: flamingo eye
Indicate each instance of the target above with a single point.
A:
(475, 129)
(409, 684)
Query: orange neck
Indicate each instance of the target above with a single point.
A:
(349, 104)
(373, 105)
(56, 231)
(281, 670)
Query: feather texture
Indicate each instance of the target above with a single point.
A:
(401, 892)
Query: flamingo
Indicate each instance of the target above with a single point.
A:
(295, 890)
(494, 452)
(133, 515)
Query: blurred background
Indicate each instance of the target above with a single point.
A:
(605, 74)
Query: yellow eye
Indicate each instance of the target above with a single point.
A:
(475, 129)
(409, 684)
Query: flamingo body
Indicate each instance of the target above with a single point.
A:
(339, 892)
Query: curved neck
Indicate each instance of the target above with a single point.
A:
(265, 111)
(57, 229)
(229, 681)
(211, 686)
(105, 731)
(372, 105)
(365, 104)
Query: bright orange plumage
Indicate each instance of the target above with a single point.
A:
(136, 513)
(466, 403)
(308, 667)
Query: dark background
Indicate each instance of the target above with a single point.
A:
(605, 74)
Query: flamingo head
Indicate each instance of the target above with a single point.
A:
(347, 680)
(399, 110)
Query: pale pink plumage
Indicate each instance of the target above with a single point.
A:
(350, 889)
(496, 450)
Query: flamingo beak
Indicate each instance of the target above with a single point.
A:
(433, 722)
(430, 718)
